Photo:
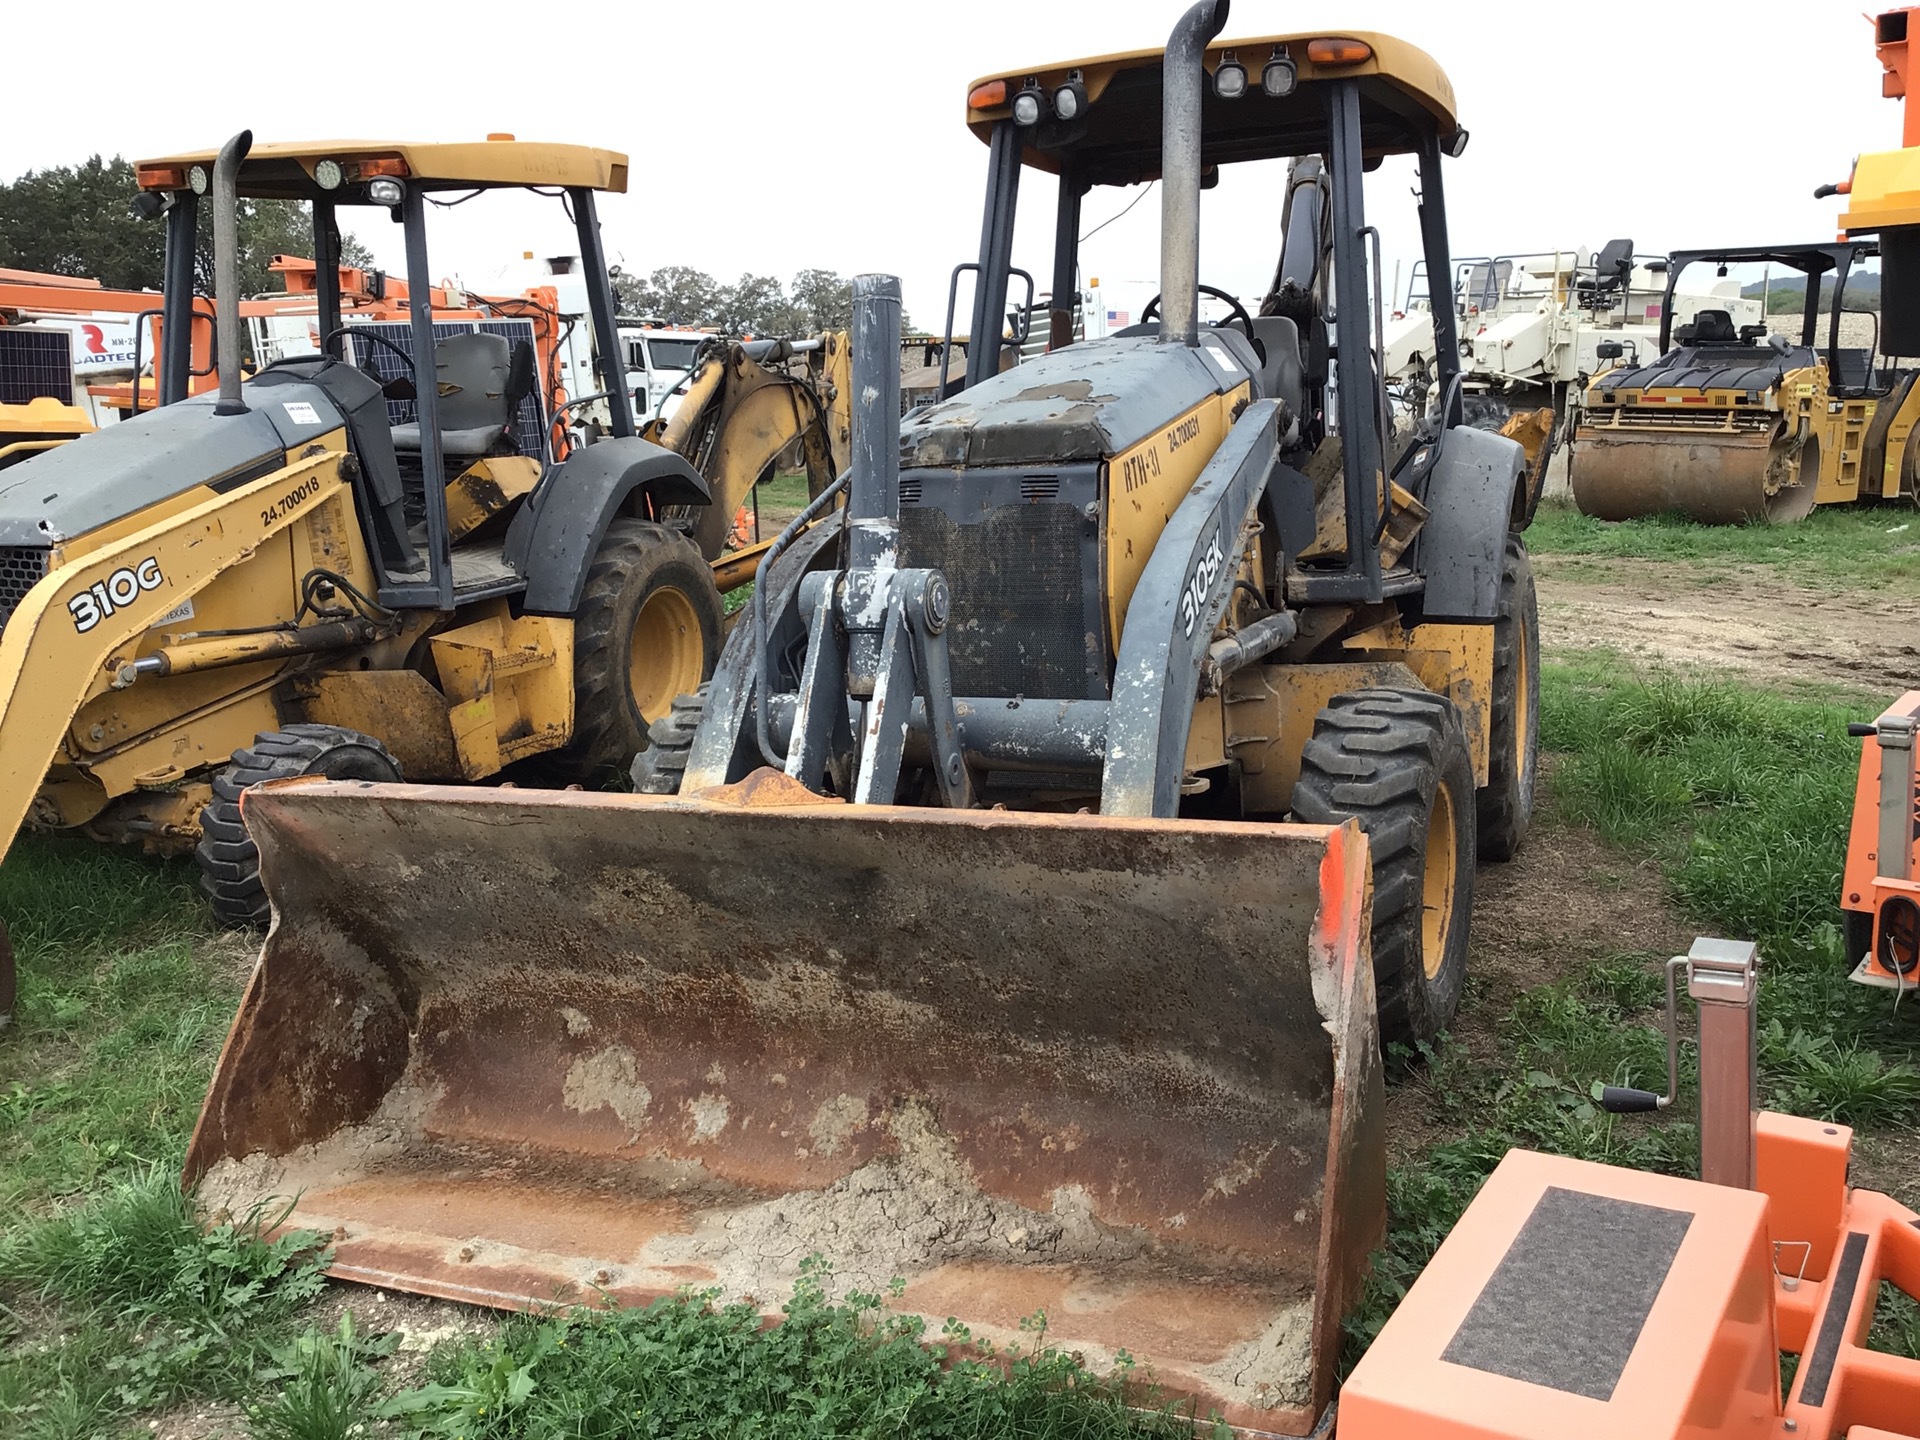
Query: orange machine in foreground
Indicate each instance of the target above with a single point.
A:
(1576, 1301)
(1880, 892)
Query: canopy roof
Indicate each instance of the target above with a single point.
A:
(1404, 96)
(283, 170)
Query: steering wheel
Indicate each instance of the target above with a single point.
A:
(1239, 313)
(360, 332)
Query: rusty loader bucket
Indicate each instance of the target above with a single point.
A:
(516, 1047)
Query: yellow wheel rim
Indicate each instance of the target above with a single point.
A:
(665, 656)
(1439, 888)
(1522, 701)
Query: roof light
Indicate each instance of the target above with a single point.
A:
(1230, 79)
(498, 135)
(1339, 50)
(327, 175)
(1456, 144)
(391, 165)
(1027, 106)
(1070, 100)
(1280, 75)
(386, 191)
(160, 177)
(990, 96)
(197, 179)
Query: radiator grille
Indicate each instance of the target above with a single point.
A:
(21, 568)
(1019, 599)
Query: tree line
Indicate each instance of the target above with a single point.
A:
(78, 220)
(815, 301)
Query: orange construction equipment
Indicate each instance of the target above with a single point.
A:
(1576, 1301)
(27, 296)
(1880, 891)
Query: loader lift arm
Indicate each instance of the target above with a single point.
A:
(58, 645)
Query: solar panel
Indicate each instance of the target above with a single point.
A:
(35, 363)
(528, 425)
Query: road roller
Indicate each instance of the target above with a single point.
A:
(1733, 423)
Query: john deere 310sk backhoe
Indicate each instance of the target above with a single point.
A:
(1040, 846)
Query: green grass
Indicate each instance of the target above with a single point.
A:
(842, 1367)
(125, 1304)
(120, 1018)
(1873, 547)
(789, 490)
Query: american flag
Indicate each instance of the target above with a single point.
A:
(1118, 317)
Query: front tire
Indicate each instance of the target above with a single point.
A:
(1503, 807)
(662, 766)
(1397, 762)
(229, 861)
(649, 627)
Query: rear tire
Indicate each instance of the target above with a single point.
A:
(1397, 762)
(649, 627)
(229, 862)
(1503, 807)
(659, 769)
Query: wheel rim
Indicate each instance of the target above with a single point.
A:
(1443, 863)
(664, 656)
(1522, 701)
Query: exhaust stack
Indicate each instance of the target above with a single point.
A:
(1184, 72)
(226, 269)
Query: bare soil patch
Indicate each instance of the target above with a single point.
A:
(1742, 622)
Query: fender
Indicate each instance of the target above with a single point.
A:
(1170, 622)
(551, 541)
(1470, 491)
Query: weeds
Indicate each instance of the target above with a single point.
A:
(326, 1386)
(143, 1306)
(847, 1368)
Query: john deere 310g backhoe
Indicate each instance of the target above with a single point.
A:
(1041, 844)
(264, 582)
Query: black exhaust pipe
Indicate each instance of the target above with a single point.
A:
(1184, 81)
(226, 269)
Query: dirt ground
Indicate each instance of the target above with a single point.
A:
(1744, 622)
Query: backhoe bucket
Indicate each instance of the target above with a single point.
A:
(514, 1047)
(1713, 479)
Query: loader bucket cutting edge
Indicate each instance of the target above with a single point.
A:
(1710, 479)
(514, 1047)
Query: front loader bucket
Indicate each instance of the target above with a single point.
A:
(511, 1047)
(1714, 479)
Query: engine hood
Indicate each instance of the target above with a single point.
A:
(1087, 402)
(123, 469)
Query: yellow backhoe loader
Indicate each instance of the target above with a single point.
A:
(1074, 812)
(263, 582)
(1731, 424)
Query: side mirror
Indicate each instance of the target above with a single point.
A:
(1609, 350)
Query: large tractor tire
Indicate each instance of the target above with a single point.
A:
(229, 863)
(649, 627)
(1503, 807)
(1397, 761)
(659, 769)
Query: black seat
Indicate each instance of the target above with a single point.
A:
(1284, 376)
(1714, 327)
(482, 379)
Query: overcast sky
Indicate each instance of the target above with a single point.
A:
(769, 137)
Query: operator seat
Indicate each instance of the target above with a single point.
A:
(1714, 327)
(482, 379)
(1284, 376)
